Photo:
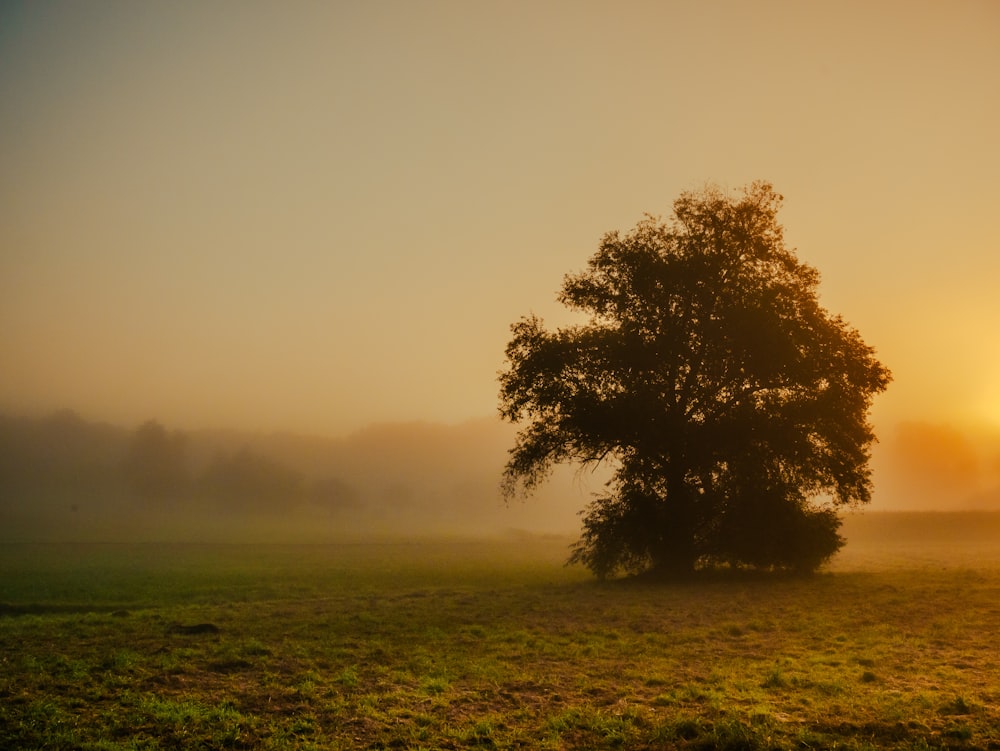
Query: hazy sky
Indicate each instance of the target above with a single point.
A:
(316, 215)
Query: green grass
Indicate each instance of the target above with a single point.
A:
(486, 645)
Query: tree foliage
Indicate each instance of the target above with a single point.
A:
(248, 481)
(732, 406)
(156, 464)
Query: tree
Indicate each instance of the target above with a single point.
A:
(155, 464)
(248, 481)
(732, 407)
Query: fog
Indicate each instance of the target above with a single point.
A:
(64, 477)
(925, 466)
(316, 216)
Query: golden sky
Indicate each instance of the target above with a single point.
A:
(312, 216)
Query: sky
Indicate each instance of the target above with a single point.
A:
(314, 216)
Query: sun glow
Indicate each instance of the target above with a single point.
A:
(989, 412)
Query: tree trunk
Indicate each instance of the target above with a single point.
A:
(676, 555)
(675, 560)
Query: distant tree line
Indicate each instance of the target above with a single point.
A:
(63, 461)
(48, 460)
(158, 468)
(63, 477)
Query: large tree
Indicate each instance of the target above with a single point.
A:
(731, 405)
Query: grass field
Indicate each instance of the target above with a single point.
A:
(494, 644)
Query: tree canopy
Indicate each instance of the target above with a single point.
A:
(732, 406)
(156, 465)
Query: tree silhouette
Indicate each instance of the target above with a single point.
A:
(155, 462)
(732, 406)
(248, 481)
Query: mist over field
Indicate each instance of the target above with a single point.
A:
(455, 623)
(925, 466)
(64, 477)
